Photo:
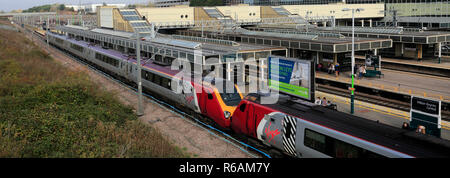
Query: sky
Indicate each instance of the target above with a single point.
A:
(8, 5)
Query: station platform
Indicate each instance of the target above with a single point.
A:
(399, 82)
(378, 113)
(432, 63)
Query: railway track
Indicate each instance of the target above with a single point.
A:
(427, 70)
(383, 98)
(249, 146)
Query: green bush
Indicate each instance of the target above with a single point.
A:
(49, 111)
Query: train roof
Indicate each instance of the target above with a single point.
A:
(166, 70)
(408, 142)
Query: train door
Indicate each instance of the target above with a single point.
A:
(206, 97)
(251, 118)
(188, 92)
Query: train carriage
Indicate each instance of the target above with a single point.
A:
(202, 97)
(301, 129)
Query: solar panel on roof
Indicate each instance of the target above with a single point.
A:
(213, 13)
(138, 24)
(281, 11)
(128, 12)
(131, 18)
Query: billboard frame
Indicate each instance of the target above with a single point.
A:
(312, 82)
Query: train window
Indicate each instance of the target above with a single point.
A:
(76, 47)
(242, 107)
(97, 56)
(165, 82)
(210, 96)
(334, 147)
(144, 74)
(157, 79)
(315, 140)
(150, 76)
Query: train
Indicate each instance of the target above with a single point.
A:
(291, 127)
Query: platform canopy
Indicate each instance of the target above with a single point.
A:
(310, 42)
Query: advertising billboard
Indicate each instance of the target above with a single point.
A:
(291, 76)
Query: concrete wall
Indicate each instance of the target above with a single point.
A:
(106, 17)
(420, 9)
(370, 10)
(174, 15)
(242, 12)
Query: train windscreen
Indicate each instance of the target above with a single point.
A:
(231, 98)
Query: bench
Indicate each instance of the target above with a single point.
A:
(373, 73)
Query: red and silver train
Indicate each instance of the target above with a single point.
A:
(288, 127)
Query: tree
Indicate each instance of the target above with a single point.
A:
(206, 3)
(62, 7)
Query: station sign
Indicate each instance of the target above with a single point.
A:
(292, 76)
(426, 112)
(425, 105)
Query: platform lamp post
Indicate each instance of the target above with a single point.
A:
(140, 111)
(352, 97)
(48, 30)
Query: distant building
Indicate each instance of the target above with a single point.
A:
(410, 8)
(92, 8)
(170, 3)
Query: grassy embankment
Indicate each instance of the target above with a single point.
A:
(49, 111)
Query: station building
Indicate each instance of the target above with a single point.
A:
(324, 42)
(407, 43)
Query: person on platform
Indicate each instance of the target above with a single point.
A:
(337, 69)
(421, 129)
(360, 71)
(318, 101)
(324, 101)
(405, 126)
(364, 70)
(355, 69)
(331, 68)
